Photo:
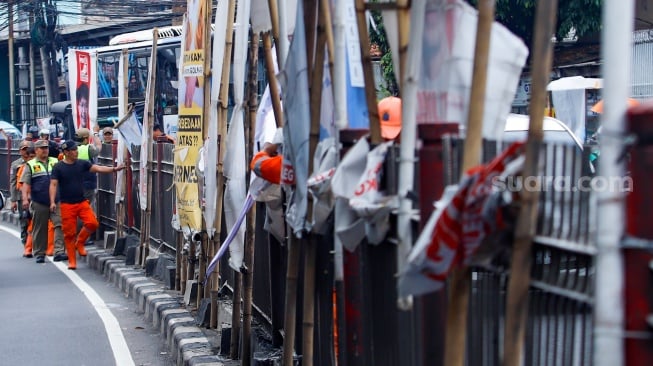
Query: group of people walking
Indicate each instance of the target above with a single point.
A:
(50, 197)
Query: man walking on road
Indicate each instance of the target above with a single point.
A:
(36, 184)
(65, 181)
(23, 150)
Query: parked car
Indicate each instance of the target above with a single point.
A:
(11, 131)
(555, 131)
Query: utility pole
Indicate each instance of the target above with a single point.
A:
(12, 78)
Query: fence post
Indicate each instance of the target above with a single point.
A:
(638, 259)
(354, 339)
(430, 310)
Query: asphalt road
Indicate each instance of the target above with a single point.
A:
(52, 316)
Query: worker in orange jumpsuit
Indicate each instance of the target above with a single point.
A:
(267, 163)
(66, 182)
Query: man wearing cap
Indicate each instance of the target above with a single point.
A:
(53, 148)
(32, 134)
(390, 117)
(23, 150)
(66, 184)
(36, 186)
(88, 152)
(107, 135)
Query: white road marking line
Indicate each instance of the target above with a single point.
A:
(121, 352)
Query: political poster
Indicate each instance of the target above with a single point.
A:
(83, 87)
(190, 122)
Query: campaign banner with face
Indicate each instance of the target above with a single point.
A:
(191, 118)
(83, 87)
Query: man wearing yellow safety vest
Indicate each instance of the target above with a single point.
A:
(36, 186)
(88, 152)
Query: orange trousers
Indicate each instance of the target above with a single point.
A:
(28, 243)
(73, 240)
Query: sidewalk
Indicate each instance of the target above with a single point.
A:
(189, 343)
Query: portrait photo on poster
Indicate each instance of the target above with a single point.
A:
(82, 96)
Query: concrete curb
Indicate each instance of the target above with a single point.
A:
(163, 308)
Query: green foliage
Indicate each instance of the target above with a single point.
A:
(518, 16)
(379, 38)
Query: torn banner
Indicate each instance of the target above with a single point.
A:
(462, 221)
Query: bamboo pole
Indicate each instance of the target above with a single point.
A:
(235, 316)
(272, 79)
(310, 245)
(248, 276)
(289, 316)
(222, 133)
(292, 269)
(520, 268)
(120, 206)
(179, 260)
(368, 74)
(147, 213)
(207, 249)
(222, 139)
(10, 42)
(205, 252)
(274, 21)
(403, 23)
(460, 283)
(325, 10)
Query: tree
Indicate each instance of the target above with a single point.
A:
(583, 16)
(378, 37)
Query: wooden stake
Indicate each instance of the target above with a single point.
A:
(208, 249)
(120, 206)
(222, 139)
(272, 79)
(235, 316)
(460, 283)
(403, 23)
(147, 213)
(310, 244)
(248, 276)
(274, 20)
(368, 74)
(520, 268)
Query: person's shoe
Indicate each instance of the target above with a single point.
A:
(40, 259)
(60, 257)
(72, 268)
(28, 255)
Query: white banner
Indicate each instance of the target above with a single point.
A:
(235, 163)
(294, 83)
(211, 143)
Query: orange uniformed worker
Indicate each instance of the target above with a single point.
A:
(66, 184)
(390, 117)
(267, 163)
